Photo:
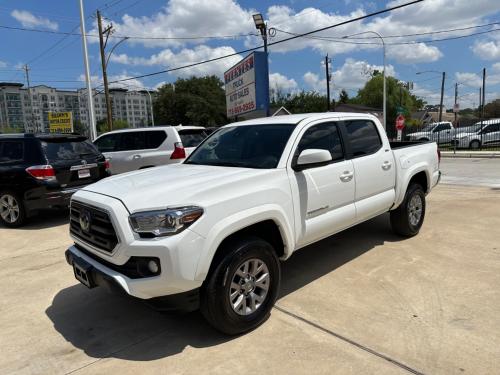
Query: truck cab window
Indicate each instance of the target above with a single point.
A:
(363, 137)
(322, 136)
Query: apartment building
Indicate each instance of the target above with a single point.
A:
(20, 109)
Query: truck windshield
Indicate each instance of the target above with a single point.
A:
(247, 146)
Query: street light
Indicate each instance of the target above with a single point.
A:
(385, 89)
(262, 27)
(442, 90)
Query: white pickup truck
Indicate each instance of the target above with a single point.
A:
(210, 232)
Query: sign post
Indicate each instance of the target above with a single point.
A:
(400, 125)
(247, 85)
(60, 122)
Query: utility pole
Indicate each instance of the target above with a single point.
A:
(102, 45)
(26, 71)
(93, 132)
(327, 74)
(456, 98)
(484, 93)
(442, 94)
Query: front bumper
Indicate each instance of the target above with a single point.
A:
(186, 301)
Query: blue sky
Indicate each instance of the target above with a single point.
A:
(294, 65)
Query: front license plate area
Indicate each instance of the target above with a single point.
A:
(83, 173)
(83, 274)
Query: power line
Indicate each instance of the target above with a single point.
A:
(339, 40)
(72, 33)
(274, 43)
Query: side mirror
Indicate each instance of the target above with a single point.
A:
(312, 158)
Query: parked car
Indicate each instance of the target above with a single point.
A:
(132, 149)
(483, 134)
(439, 132)
(210, 232)
(43, 171)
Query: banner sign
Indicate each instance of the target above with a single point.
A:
(60, 122)
(247, 85)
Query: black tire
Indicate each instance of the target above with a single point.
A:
(215, 302)
(424, 139)
(474, 145)
(20, 218)
(400, 217)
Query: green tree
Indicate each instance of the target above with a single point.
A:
(191, 101)
(79, 128)
(102, 125)
(343, 97)
(492, 109)
(372, 95)
(301, 102)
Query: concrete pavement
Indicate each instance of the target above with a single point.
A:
(472, 172)
(363, 301)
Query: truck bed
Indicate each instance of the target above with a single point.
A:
(401, 144)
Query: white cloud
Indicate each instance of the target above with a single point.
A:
(351, 76)
(187, 18)
(3, 64)
(487, 50)
(31, 21)
(414, 53)
(279, 82)
(167, 58)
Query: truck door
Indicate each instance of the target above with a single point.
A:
(374, 168)
(326, 193)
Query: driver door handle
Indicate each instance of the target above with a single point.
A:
(346, 176)
(136, 157)
(387, 165)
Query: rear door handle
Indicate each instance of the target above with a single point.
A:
(346, 176)
(387, 165)
(136, 157)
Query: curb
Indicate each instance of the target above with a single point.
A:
(467, 155)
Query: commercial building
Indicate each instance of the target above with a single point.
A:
(20, 109)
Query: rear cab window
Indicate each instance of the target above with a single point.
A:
(192, 137)
(363, 137)
(60, 149)
(11, 151)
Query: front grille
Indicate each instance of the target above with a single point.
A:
(99, 232)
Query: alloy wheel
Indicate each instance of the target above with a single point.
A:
(9, 208)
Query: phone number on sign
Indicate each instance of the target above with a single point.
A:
(245, 107)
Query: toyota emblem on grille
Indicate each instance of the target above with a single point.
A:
(85, 220)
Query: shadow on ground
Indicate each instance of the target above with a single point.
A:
(105, 325)
(47, 219)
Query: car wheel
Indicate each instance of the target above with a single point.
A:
(242, 287)
(474, 145)
(12, 213)
(407, 219)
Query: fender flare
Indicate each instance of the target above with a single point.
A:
(238, 221)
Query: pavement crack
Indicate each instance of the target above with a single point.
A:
(349, 341)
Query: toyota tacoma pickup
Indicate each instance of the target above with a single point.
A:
(210, 232)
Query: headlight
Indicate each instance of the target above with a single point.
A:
(164, 222)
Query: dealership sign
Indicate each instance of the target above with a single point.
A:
(60, 122)
(247, 85)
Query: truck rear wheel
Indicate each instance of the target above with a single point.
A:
(407, 219)
(240, 291)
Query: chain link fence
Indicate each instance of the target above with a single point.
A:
(472, 134)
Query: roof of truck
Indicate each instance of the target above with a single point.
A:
(296, 118)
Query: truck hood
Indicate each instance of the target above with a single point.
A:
(175, 185)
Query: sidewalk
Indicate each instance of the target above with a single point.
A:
(470, 154)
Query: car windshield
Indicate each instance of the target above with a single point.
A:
(247, 146)
(428, 128)
(68, 149)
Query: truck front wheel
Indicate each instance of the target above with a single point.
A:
(240, 291)
(407, 219)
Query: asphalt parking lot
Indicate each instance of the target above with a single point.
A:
(363, 301)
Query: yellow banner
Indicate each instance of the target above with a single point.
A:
(60, 122)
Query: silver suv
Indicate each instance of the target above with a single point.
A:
(132, 149)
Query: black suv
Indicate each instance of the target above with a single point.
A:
(43, 171)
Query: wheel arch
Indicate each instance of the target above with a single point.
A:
(271, 226)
